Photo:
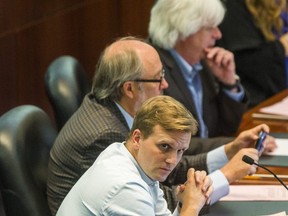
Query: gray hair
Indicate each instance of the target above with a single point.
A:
(172, 20)
(113, 70)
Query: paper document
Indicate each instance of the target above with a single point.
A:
(270, 116)
(277, 214)
(279, 108)
(256, 193)
(282, 148)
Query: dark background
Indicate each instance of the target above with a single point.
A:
(35, 32)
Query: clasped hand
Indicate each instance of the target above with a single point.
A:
(196, 191)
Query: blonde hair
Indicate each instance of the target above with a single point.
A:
(166, 112)
(267, 16)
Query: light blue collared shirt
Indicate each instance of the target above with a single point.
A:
(192, 77)
(115, 185)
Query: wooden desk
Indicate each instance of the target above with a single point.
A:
(276, 126)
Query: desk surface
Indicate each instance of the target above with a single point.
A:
(246, 208)
(239, 208)
(276, 126)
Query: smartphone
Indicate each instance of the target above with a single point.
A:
(260, 140)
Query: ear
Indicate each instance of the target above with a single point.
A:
(136, 136)
(128, 89)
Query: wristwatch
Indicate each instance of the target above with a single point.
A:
(231, 86)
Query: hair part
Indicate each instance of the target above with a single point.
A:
(166, 112)
(172, 20)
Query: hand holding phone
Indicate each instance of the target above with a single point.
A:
(260, 140)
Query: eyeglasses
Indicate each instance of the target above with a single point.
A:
(153, 80)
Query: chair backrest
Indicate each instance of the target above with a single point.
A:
(66, 85)
(26, 137)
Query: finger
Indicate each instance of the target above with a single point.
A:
(207, 183)
(211, 52)
(227, 59)
(180, 188)
(262, 127)
(270, 144)
(191, 177)
(252, 170)
(218, 59)
(177, 190)
(209, 191)
(199, 176)
(190, 173)
(208, 201)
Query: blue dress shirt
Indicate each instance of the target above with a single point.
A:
(192, 77)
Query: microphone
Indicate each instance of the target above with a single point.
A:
(250, 161)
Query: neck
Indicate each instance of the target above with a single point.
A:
(128, 107)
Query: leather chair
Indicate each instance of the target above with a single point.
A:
(66, 85)
(26, 136)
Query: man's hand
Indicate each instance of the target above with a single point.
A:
(269, 144)
(247, 139)
(222, 64)
(194, 192)
(236, 169)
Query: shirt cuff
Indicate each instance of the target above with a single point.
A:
(216, 159)
(220, 184)
(237, 96)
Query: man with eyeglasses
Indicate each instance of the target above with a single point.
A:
(127, 74)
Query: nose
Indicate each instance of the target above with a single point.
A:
(164, 84)
(172, 159)
(217, 33)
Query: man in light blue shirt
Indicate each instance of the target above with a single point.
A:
(124, 180)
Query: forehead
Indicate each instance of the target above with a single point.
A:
(150, 56)
(177, 139)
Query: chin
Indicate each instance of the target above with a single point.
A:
(162, 179)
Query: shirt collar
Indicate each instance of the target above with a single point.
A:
(129, 119)
(188, 70)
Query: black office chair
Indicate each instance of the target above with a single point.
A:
(26, 136)
(66, 84)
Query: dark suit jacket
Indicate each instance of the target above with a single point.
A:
(94, 126)
(221, 114)
(260, 64)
